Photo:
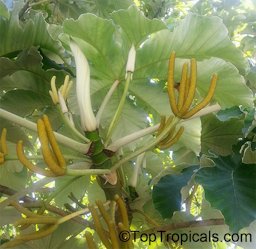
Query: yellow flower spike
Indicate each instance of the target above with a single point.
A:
(167, 123)
(162, 125)
(98, 228)
(53, 142)
(41, 233)
(36, 220)
(30, 165)
(110, 224)
(23, 238)
(1, 158)
(46, 151)
(182, 89)
(3, 142)
(103, 211)
(169, 120)
(167, 138)
(23, 210)
(192, 88)
(206, 100)
(89, 240)
(187, 85)
(170, 84)
(128, 244)
(173, 140)
(123, 211)
(113, 235)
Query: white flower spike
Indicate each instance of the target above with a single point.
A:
(131, 61)
(88, 119)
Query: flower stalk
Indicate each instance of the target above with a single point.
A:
(128, 77)
(149, 146)
(119, 110)
(70, 143)
(105, 101)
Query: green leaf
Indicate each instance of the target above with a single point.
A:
(230, 187)
(14, 133)
(154, 163)
(157, 105)
(249, 154)
(228, 78)
(204, 37)
(132, 119)
(28, 60)
(190, 138)
(79, 186)
(3, 10)
(23, 102)
(249, 122)
(12, 175)
(101, 8)
(218, 136)
(12, 172)
(8, 216)
(251, 77)
(102, 44)
(26, 83)
(24, 80)
(67, 185)
(15, 36)
(184, 156)
(63, 237)
(187, 41)
(135, 25)
(230, 113)
(59, 237)
(166, 193)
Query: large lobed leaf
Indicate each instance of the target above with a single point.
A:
(218, 136)
(16, 36)
(167, 192)
(230, 187)
(24, 81)
(131, 18)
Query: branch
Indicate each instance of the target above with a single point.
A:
(30, 202)
(60, 212)
(20, 194)
(8, 191)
